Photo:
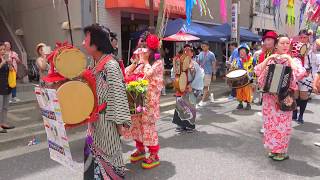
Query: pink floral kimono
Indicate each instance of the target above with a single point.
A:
(143, 128)
(277, 123)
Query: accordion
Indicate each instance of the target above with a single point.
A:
(278, 79)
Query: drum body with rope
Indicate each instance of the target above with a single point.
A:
(238, 78)
(74, 94)
(181, 66)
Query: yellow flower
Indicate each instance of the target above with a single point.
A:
(134, 83)
(144, 82)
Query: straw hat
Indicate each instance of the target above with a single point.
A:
(39, 46)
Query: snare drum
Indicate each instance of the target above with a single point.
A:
(76, 100)
(70, 62)
(237, 78)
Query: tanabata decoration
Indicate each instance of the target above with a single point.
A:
(203, 8)
(277, 17)
(223, 11)
(302, 11)
(291, 19)
(313, 11)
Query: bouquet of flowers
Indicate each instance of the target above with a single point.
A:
(136, 90)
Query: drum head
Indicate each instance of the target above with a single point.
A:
(70, 63)
(236, 73)
(76, 100)
(185, 63)
(303, 50)
(183, 82)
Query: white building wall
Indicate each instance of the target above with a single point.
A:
(110, 18)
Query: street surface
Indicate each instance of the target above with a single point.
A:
(226, 146)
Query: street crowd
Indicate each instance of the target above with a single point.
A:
(192, 75)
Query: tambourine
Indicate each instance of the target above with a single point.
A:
(185, 62)
(181, 82)
(70, 62)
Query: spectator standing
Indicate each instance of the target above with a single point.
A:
(14, 58)
(207, 60)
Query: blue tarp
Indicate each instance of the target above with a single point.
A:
(245, 34)
(213, 33)
(201, 31)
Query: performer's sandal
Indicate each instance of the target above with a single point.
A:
(137, 156)
(281, 157)
(271, 155)
(151, 162)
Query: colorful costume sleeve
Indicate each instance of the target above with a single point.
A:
(155, 72)
(298, 74)
(260, 73)
(117, 102)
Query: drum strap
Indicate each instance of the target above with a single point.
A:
(309, 64)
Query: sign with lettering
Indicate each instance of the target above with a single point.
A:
(58, 144)
(234, 21)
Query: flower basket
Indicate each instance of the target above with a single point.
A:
(136, 102)
(136, 93)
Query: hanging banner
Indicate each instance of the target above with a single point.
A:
(234, 21)
(59, 148)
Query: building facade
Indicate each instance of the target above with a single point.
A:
(35, 21)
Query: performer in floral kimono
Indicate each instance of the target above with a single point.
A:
(103, 154)
(277, 123)
(185, 113)
(245, 62)
(143, 130)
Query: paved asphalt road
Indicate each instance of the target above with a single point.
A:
(226, 146)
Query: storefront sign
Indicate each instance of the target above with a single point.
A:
(234, 21)
(174, 6)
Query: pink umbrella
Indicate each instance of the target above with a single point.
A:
(181, 36)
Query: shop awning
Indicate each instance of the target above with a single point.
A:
(195, 29)
(245, 34)
(174, 6)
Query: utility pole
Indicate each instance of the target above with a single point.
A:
(69, 21)
(151, 17)
(160, 16)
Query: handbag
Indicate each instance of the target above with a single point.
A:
(12, 78)
(287, 102)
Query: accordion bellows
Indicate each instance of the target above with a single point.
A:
(278, 79)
